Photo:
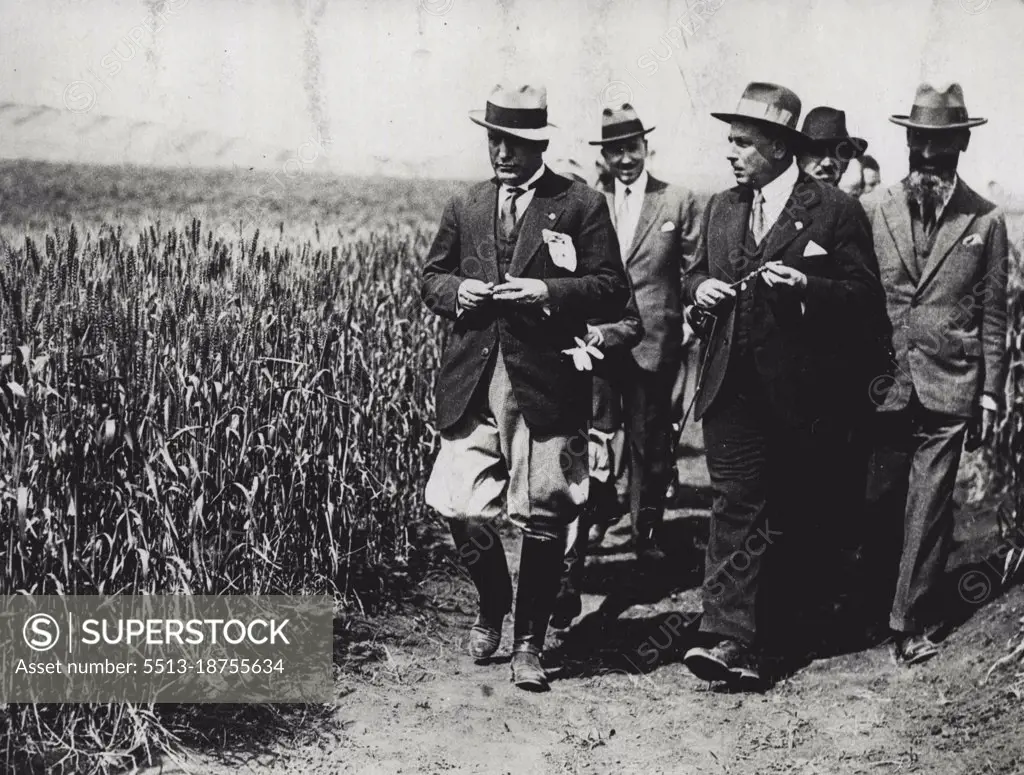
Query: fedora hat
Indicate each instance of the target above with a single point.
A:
(519, 111)
(621, 123)
(827, 126)
(935, 109)
(768, 104)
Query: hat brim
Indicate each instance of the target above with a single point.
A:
(859, 143)
(620, 138)
(905, 121)
(540, 133)
(794, 134)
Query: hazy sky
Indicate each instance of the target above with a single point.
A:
(394, 79)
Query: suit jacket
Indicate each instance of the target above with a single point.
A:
(553, 396)
(812, 361)
(663, 247)
(949, 320)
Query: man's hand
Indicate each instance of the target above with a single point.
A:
(522, 291)
(982, 429)
(472, 293)
(712, 292)
(777, 273)
(594, 336)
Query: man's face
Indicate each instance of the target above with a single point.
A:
(626, 159)
(754, 155)
(824, 162)
(513, 159)
(935, 153)
(871, 180)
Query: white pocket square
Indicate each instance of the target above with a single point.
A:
(560, 246)
(971, 240)
(814, 249)
(668, 226)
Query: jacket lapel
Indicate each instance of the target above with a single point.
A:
(544, 212)
(896, 213)
(795, 218)
(735, 220)
(648, 212)
(481, 227)
(955, 220)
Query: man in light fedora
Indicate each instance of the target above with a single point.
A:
(830, 148)
(943, 254)
(657, 228)
(519, 264)
(784, 265)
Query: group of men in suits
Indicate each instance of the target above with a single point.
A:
(834, 335)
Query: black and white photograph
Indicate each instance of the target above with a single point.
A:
(569, 387)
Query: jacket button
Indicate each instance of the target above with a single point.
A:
(486, 351)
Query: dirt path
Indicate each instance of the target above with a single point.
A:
(622, 702)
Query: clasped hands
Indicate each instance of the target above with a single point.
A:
(712, 291)
(521, 291)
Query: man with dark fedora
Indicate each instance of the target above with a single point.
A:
(784, 265)
(829, 147)
(519, 264)
(943, 254)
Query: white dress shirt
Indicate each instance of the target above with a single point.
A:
(776, 194)
(627, 210)
(505, 193)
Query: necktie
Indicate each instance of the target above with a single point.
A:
(509, 216)
(624, 223)
(757, 217)
(928, 218)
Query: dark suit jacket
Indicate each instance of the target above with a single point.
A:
(949, 320)
(552, 395)
(812, 363)
(663, 247)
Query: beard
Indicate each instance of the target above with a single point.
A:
(931, 181)
(930, 190)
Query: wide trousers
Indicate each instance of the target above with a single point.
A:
(912, 476)
(778, 495)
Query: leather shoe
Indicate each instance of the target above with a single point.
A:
(484, 638)
(729, 661)
(913, 649)
(527, 672)
(567, 607)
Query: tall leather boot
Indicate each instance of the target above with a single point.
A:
(540, 569)
(482, 554)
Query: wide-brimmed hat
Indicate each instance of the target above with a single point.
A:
(826, 126)
(621, 123)
(521, 111)
(771, 105)
(935, 109)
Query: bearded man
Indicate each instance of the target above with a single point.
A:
(942, 251)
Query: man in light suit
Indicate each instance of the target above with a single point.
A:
(657, 226)
(784, 264)
(519, 265)
(943, 254)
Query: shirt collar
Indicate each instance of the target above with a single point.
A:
(528, 184)
(638, 185)
(777, 191)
